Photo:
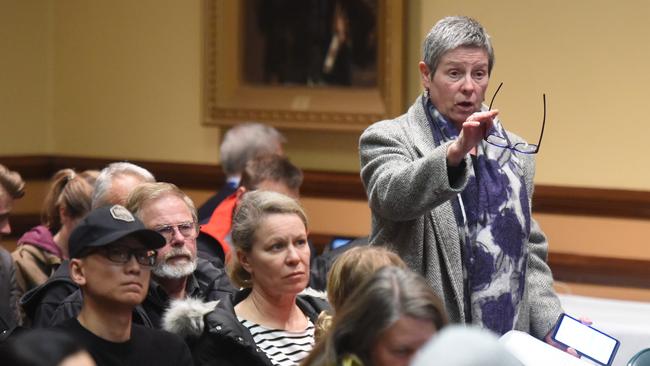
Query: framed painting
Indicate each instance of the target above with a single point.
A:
(311, 64)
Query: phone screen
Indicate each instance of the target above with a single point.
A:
(588, 341)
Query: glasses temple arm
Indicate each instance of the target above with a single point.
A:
(539, 143)
(495, 95)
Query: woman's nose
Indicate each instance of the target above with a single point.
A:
(292, 254)
(468, 84)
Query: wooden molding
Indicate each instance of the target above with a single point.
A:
(574, 268)
(327, 184)
(600, 270)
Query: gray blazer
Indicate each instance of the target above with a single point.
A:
(406, 179)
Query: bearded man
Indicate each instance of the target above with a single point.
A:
(178, 272)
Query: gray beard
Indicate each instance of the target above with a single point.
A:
(165, 270)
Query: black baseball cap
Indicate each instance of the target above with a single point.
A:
(105, 225)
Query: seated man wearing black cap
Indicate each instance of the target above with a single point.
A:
(111, 258)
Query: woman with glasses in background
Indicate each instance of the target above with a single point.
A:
(452, 190)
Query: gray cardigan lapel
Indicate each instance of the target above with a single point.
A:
(446, 232)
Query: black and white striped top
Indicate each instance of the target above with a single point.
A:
(282, 347)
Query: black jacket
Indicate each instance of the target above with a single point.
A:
(225, 341)
(207, 283)
(9, 314)
(41, 302)
(62, 300)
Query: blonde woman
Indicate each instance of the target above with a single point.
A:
(269, 322)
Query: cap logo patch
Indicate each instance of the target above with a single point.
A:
(120, 213)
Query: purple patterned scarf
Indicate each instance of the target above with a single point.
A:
(493, 218)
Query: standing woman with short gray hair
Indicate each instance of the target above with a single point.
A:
(451, 189)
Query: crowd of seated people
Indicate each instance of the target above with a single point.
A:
(122, 267)
(131, 287)
(55, 300)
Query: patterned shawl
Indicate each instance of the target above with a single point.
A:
(493, 218)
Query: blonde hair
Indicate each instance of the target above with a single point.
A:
(249, 214)
(70, 191)
(146, 192)
(352, 268)
(376, 304)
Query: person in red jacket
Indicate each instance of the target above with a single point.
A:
(269, 173)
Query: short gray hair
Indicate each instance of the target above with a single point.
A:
(246, 141)
(453, 32)
(104, 182)
(249, 214)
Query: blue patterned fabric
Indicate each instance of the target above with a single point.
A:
(493, 217)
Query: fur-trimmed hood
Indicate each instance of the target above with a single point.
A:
(185, 317)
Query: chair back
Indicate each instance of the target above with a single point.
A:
(642, 358)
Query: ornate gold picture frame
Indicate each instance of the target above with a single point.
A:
(229, 100)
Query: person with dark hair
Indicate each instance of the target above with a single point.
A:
(265, 172)
(451, 190)
(12, 187)
(239, 145)
(41, 250)
(269, 322)
(54, 301)
(385, 320)
(111, 255)
(44, 347)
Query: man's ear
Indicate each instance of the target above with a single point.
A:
(242, 257)
(77, 271)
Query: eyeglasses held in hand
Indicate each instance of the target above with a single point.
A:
(122, 255)
(495, 138)
(187, 229)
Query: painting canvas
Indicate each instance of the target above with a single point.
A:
(311, 43)
(310, 64)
